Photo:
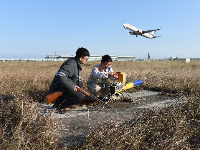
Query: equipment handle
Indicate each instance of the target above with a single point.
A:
(51, 97)
(82, 91)
(138, 82)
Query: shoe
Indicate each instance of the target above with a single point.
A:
(55, 106)
(62, 111)
(73, 106)
(92, 101)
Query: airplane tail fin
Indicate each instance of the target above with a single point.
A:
(154, 32)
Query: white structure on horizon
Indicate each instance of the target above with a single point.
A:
(125, 58)
(65, 57)
(92, 57)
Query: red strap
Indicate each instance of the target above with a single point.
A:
(99, 70)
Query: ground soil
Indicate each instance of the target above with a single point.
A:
(77, 123)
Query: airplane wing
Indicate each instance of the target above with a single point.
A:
(156, 36)
(150, 30)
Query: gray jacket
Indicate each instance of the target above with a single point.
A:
(66, 77)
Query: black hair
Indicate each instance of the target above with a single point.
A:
(106, 58)
(82, 52)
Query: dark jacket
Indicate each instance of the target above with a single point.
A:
(66, 77)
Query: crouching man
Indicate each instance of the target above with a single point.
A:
(98, 83)
(67, 78)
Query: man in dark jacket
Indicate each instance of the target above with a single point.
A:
(67, 78)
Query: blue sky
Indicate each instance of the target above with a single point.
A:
(34, 29)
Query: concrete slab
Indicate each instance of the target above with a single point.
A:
(77, 123)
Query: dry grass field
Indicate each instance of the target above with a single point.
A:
(25, 84)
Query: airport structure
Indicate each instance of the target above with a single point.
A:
(65, 57)
(91, 58)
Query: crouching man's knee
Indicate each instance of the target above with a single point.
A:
(94, 89)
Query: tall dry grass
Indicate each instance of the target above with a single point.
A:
(174, 127)
(166, 76)
(25, 84)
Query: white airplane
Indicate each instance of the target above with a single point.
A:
(136, 31)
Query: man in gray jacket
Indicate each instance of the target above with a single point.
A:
(67, 78)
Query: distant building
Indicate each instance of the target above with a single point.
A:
(114, 58)
(66, 56)
(173, 58)
(52, 57)
(91, 58)
(125, 58)
(94, 58)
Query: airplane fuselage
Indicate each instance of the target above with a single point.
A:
(136, 31)
(132, 28)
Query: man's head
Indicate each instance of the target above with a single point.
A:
(82, 55)
(106, 61)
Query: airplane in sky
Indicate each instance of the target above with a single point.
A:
(136, 31)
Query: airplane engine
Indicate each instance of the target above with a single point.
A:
(131, 33)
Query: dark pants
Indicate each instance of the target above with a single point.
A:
(70, 98)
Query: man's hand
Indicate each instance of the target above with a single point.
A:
(75, 89)
(113, 74)
(116, 76)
